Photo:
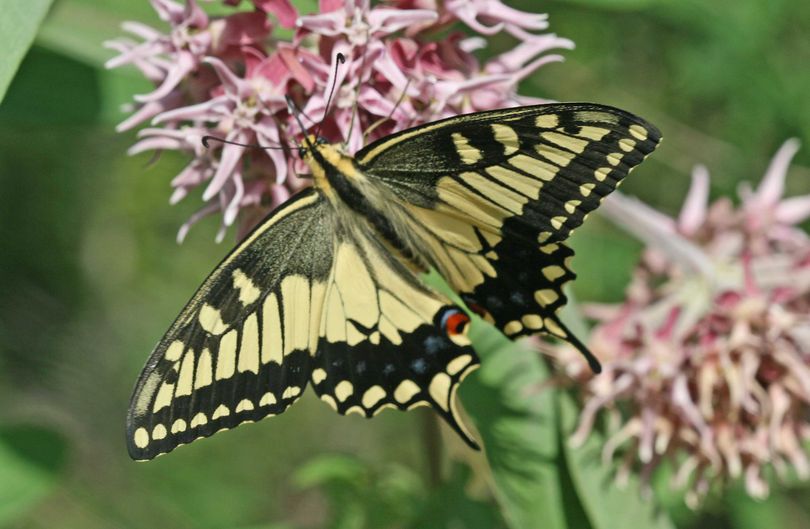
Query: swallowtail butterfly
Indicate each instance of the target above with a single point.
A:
(327, 290)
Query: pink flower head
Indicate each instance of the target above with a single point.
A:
(228, 77)
(708, 358)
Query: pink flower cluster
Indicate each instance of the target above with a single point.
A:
(408, 62)
(707, 361)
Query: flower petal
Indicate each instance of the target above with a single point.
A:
(772, 186)
(694, 209)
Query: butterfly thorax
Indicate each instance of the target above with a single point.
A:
(339, 177)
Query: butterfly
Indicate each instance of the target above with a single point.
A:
(327, 291)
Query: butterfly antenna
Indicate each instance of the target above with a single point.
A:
(340, 60)
(299, 111)
(291, 108)
(207, 139)
(357, 92)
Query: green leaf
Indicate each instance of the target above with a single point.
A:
(517, 422)
(31, 460)
(362, 495)
(449, 505)
(78, 28)
(606, 505)
(330, 468)
(18, 27)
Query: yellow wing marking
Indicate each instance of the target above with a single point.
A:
(468, 154)
(366, 290)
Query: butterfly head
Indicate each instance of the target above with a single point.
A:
(310, 142)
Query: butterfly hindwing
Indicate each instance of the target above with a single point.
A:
(242, 347)
(387, 340)
(494, 195)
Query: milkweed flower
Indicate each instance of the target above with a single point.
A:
(407, 62)
(707, 361)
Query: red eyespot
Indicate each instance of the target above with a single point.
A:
(455, 322)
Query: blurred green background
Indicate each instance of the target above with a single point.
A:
(90, 277)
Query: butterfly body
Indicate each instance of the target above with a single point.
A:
(327, 291)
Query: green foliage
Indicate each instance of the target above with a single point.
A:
(18, 26)
(362, 496)
(359, 495)
(31, 461)
(518, 426)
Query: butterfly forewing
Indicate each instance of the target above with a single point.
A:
(494, 195)
(242, 347)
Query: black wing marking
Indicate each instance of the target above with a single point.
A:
(241, 349)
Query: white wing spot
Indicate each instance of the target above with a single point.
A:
(244, 405)
(159, 432)
(268, 399)
(356, 409)
(532, 321)
(291, 392)
(211, 320)
(344, 390)
(329, 400)
(614, 158)
(221, 411)
(554, 329)
(602, 173)
(638, 132)
(550, 248)
(627, 145)
(141, 438)
(175, 351)
(553, 272)
(405, 391)
(513, 327)
(585, 189)
(199, 420)
(179, 426)
(318, 375)
(571, 206)
(372, 396)
(248, 293)
(546, 296)
(457, 364)
(547, 121)
(557, 222)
